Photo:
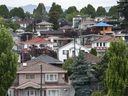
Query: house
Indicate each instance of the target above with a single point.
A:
(57, 42)
(77, 21)
(103, 28)
(39, 42)
(24, 23)
(36, 77)
(44, 26)
(68, 50)
(102, 44)
(66, 28)
(87, 24)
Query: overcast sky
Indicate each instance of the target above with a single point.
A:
(64, 3)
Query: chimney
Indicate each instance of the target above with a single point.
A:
(24, 64)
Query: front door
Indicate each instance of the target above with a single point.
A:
(30, 92)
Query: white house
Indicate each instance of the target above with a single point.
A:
(102, 44)
(68, 50)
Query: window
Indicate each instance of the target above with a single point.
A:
(51, 77)
(100, 44)
(65, 52)
(30, 76)
(53, 92)
(97, 44)
(104, 44)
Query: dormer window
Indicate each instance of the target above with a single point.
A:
(51, 77)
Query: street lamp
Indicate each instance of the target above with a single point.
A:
(41, 80)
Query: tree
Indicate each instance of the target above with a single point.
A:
(93, 51)
(116, 78)
(28, 15)
(8, 61)
(68, 65)
(17, 12)
(40, 12)
(81, 76)
(90, 10)
(123, 5)
(4, 12)
(101, 11)
(71, 12)
(55, 14)
(113, 11)
(83, 11)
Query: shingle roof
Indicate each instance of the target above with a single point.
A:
(105, 39)
(37, 40)
(44, 23)
(34, 67)
(92, 58)
(48, 59)
(102, 24)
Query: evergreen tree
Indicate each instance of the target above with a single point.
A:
(113, 11)
(101, 11)
(71, 12)
(91, 10)
(83, 11)
(55, 14)
(40, 12)
(116, 77)
(81, 76)
(8, 61)
(93, 51)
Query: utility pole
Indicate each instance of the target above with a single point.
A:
(41, 80)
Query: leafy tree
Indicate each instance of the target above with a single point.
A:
(8, 61)
(68, 65)
(4, 12)
(113, 11)
(17, 12)
(81, 76)
(90, 10)
(93, 51)
(101, 11)
(116, 78)
(54, 14)
(40, 12)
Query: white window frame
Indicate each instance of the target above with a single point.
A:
(48, 91)
(49, 79)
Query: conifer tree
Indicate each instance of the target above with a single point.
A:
(81, 76)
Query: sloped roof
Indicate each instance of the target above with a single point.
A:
(34, 67)
(101, 24)
(28, 84)
(66, 27)
(48, 59)
(44, 23)
(92, 58)
(105, 38)
(36, 40)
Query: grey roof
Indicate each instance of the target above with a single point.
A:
(48, 59)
